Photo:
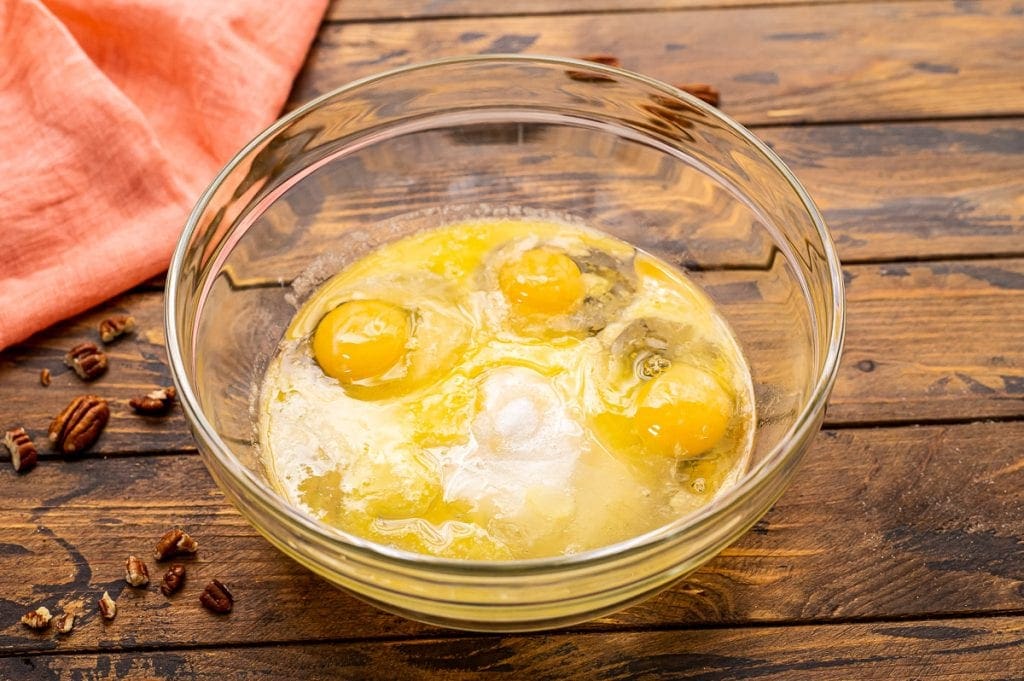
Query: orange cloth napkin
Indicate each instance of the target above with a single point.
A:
(114, 116)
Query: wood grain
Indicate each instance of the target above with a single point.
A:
(925, 341)
(834, 547)
(771, 64)
(346, 10)
(979, 648)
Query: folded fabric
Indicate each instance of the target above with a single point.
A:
(114, 116)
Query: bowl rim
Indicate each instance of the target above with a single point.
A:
(803, 426)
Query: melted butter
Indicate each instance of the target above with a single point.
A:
(500, 436)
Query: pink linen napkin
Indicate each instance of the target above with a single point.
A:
(114, 116)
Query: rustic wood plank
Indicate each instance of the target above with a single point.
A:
(978, 648)
(771, 64)
(138, 364)
(347, 10)
(912, 354)
(893, 191)
(898, 522)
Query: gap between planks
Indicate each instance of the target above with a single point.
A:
(443, 635)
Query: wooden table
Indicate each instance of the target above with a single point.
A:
(898, 552)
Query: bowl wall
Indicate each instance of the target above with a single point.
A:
(425, 146)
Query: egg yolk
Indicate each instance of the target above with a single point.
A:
(542, 281)
(361, 339)
(683, 412)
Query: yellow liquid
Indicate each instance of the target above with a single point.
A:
(522, 420)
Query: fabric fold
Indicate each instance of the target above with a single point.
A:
(114, 116)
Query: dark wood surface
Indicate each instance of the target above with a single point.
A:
(898, 552)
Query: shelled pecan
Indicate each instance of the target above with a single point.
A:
(175, 542)
(154, 402)
(23, 451)
(116, 326)
(64, 623)
(217, 598)
(88, 361)
(701, 91)
(38, 619)
(135, 571)
(590, 76)
(77, 427)
(174, 578)
(108, 608)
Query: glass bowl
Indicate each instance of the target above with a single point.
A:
(426, 145)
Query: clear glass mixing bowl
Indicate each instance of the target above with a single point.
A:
(423, 146)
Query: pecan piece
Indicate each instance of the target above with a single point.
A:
(217, 598)
(88, 361)
(108, 608)
(173, 579)
(701, 91)
(135, 571)
(77, 427)
(64, 623)
(23, 452)
(116, 326)
(38, 619)
(154, 402)
(590, 77)
(173, 543)
(44, 378)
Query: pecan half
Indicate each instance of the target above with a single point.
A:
(701, 91)
(23, 452)
(135, 571)
(154, 402)
(116, 326)
(217, 598)
(174, 578)
(38, 619)
(591, 77)
(77, 427)
(64, 623)
(88, 361)
(173, 543)
(44, 378)
(108, 608)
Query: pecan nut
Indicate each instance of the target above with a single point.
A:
(44, 378)
(88, 361)
(701, 91)
(590, 76)
(217, 598)
(77, 427)
(135, 571)
(154, 402)
(23, 451)
(64, 623)
(173, 543)
(116, 326)
(108, 608)
(38, 619)
(174, 578)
